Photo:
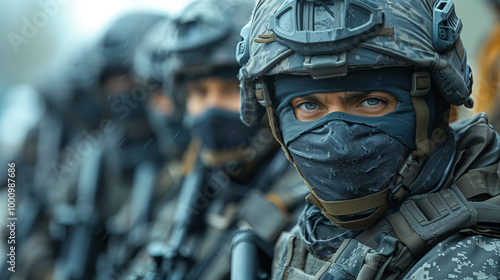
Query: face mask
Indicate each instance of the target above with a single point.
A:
(221, 130)
(124, 107)
(342, 160)
(343, 156)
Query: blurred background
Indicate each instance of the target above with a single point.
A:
(55, 27)
(38, 35)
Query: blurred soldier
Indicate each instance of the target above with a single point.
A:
(358, 94)
(487, 92)
(232, 172)
(110, 150)
(165, 121)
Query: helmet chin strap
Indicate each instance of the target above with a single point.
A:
(377, 203)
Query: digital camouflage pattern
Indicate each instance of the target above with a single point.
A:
(459, 257)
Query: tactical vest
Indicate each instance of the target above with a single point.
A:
(390, 248)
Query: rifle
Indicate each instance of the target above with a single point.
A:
(176, 259)
(77, 260)
(251, 256)
(133, 236)
(251, 205)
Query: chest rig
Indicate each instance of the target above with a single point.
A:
(394, 244)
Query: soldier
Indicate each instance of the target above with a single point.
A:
(106, 158)
(232, 172)
(358, 94)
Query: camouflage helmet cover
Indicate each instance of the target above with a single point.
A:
(308, 37)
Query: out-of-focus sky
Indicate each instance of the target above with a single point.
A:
(36, 33)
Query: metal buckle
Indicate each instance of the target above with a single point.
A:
(416, 83)
(393, 200)
(262, 94)
(410, 169)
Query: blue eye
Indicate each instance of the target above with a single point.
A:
(309, 106)
(371, 102)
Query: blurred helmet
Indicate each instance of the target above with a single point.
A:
(329, 38)
(201, 40)
(148, 58)
(117, 46)
(164, 118)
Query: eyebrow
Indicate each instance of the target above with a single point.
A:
(349, 96)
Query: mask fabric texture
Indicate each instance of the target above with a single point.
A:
(360, 159)
(345, 156)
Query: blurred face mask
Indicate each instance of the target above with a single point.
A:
(222, 130)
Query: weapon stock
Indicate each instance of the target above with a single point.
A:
(133, 236)
(251, 256)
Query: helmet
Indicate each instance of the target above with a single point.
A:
(331, 38)
(285, 38)
(118, 45)
(147, 68)
(148, 57)
(202, 39)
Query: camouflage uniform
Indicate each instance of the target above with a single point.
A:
(449, 259)
(334, 41)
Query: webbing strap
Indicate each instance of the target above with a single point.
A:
(190, 156)
(379, 201)
(422, 117)
(459, 47)
(481, 181)
(276, 133)
(357, 205)
(407, 235)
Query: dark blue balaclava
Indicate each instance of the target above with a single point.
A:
(345, 156)
(219, 129)
(222, 130)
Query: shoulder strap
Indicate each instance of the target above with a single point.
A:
(471, 205)
(480, 183)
